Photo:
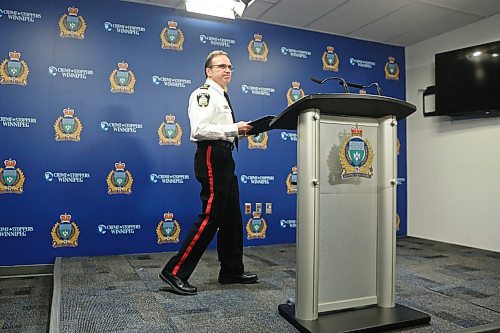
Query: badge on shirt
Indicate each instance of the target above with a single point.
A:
(203, 99)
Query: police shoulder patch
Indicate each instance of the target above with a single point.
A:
(203, 99)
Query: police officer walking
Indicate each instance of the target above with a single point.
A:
(215, 132)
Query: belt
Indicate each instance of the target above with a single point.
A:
(219, 143)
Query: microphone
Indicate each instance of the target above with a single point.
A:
(341, 81)
(360, 86)
(379, 91)
(354, 85)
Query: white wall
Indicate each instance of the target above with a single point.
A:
(453, 166)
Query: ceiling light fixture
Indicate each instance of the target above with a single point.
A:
(220, 8)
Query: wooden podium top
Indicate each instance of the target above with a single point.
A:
(348, 105)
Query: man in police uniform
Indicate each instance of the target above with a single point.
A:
(215, 132)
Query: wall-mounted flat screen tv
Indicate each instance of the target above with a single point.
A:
(468, 81)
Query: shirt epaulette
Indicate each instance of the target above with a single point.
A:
(205, 86)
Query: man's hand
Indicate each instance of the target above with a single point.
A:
(243, 127)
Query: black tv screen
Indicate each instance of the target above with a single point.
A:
(468, 81)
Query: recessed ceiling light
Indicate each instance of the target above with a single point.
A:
(477, 53)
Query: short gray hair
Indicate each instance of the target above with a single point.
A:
(210, 56)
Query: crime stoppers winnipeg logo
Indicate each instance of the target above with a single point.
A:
(122, 80)
(14, 70)
(68, 128)
(171, 37)
(11, 179)
(170, 132)
(119, 180)
(71, 25)
(65, 232)
(168, 230)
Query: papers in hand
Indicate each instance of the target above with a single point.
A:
(260, 125)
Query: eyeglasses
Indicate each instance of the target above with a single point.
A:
(224, 67)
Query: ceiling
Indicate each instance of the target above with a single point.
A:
(397, 22)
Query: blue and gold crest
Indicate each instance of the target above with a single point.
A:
(256, 227)
(291, 181)
(119, 181)
(14, 71)
(171, 37)
(65, 232)
(356, 155)
(122, 80)
(71, 25)
(69, 127)
(168, 230)
(391, 69)
(257, 49)
(11, 179)
(170, 132)
(258, 141)
(330, 60)
(294, 93)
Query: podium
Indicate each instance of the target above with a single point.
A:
(346, 212)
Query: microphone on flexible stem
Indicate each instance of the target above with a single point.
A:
(360, 86)
(354, 85)
(341, 81)
(379, 91)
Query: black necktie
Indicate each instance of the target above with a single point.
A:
(232, 115)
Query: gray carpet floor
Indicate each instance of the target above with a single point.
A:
(458, 286)
(25, 304)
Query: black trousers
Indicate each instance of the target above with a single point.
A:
(214, 168)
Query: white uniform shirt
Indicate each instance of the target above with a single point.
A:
(210, 115)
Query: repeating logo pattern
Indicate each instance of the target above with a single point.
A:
(330, 60)
(356, 155)
(68, 128)
(294, 93)
(12, 179)
(291, 181)
(258, 141)
(71, 25)
(391, 69)
(14, 70)
(171, 37)
(168, 230)
(119, 180)
(65, 232)
(122, 80)
(257, 49)
(170, 132)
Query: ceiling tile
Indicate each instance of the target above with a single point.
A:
(298, 13)
(485, 7)
(445, 24)
(403, 20)
(256, 9)
(354, 14)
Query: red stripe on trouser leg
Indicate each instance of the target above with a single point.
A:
(207, 213)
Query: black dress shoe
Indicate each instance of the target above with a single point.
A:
(179, 287)
(242, 278)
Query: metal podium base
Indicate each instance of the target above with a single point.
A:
(370, 319)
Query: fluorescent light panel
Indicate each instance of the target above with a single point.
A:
(219, 8)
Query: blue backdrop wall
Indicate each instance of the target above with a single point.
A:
(94, 129)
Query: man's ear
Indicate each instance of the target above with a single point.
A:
(208, 72)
